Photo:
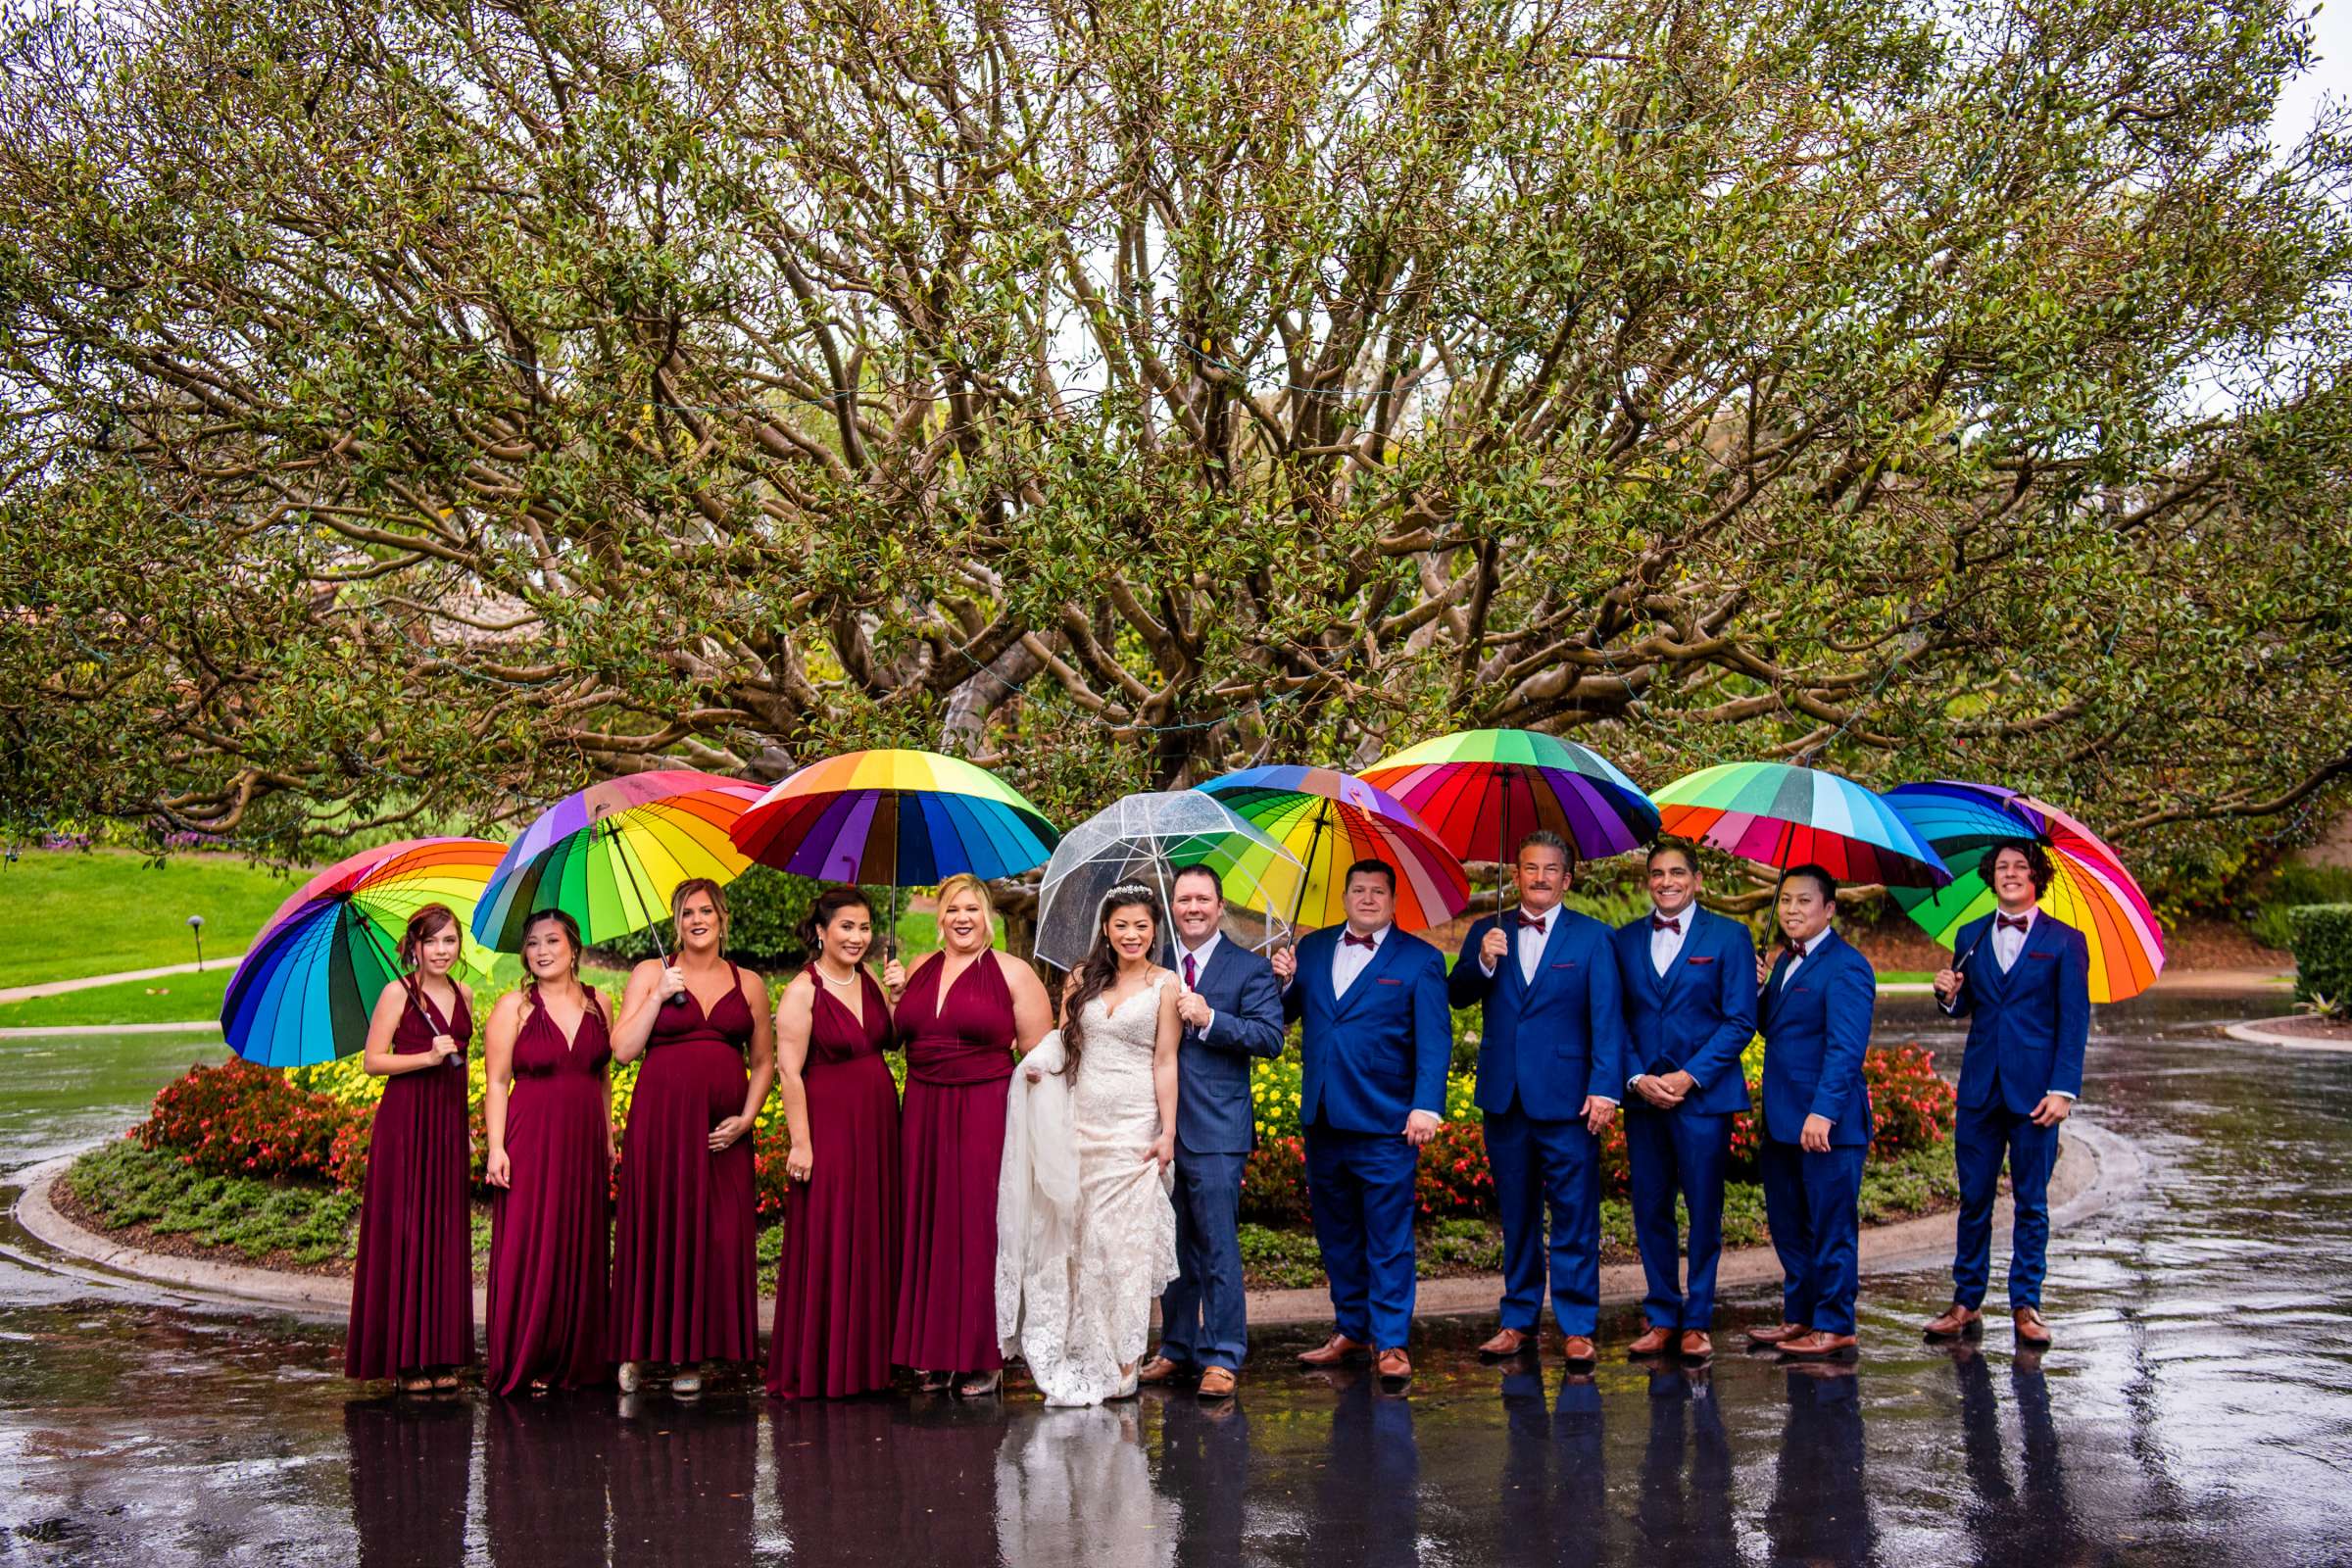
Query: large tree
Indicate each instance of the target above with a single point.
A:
(418, 408)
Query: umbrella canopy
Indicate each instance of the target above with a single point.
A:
(1481, 791)
(904, 818)
(1149, 838)
(612, 855)
(1329, 820)
(305, 989)
(1782, 815)
(2089, 889)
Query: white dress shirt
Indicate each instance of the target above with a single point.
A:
(1804, 951)
(1200, 956)
(1348, 959)
(1666, 945)
(2008, 942)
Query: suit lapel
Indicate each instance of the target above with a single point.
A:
(1366, 978)
(1994, 978)
(1682, 954)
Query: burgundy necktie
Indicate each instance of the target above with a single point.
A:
(1191, 975)
(1658, 922)
(1354, 941)
(2014, 922)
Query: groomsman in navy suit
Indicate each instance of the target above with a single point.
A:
(1816, 1012)
(1375, 1039)
(1231, 1013)
(1689, 986)
(1551, 1052)
(2023, 980)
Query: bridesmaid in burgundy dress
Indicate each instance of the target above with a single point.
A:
(411, 1297)
(960, 1017)
(685, 1286)
(548, 1112)
(838, 1279)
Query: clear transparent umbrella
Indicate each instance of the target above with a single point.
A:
(1149, 838)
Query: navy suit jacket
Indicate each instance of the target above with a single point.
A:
(1372, 1057)
(1551, 1043)
(2027, 1029)
(1816, 1029)
(1213, 1068)
(1700, 1015)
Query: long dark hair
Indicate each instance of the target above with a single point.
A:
(572, 933)
(1100, 967)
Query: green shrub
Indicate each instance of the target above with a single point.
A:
(121, 1184)
(2271, 920)
(765, 912)
(2321, 935)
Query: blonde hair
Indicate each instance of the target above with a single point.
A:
(687, 890)
(966, 882)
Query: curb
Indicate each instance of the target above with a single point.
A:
(2253, 1033)
(35, 1031)
(2094, 1168)
(59, 987)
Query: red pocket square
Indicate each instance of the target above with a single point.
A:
(1569, 964)
(2045, 956)
(1702, 958)
(1384, 980)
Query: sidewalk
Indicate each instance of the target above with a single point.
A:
(58, 988)
(2094, 1168)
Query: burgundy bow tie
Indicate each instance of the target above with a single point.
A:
(1354, 941)
(1792, 951)
(1533, 922)
(1658, 922)
(2014, 922)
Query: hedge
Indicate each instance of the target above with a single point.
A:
(765, 912)
(2322, 935)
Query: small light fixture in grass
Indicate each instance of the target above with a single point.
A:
(196, 929)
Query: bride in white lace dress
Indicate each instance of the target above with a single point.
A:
(1086, 1232)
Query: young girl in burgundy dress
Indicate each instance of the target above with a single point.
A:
(411, 1297)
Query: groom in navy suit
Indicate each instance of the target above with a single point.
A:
(1816, 1008)
(2023, 980)
(1551, 1054)
(1232, 1015)
(1375, 1039)
(1691, 1005)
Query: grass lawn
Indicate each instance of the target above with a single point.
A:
(75, 914)
(178, 997)
(1904, 977)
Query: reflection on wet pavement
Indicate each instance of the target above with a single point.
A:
(2198, 1406)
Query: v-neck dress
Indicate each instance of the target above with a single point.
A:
(838, 1279)
(552, 1227)
(411, 1294)
(685, 1285)
(958, 1076)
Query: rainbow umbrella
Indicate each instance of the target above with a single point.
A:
(906, 818)
(1480, 790)
(1329, 820)
(1782, 815)
(2089, 889)
(305, 989)
(610, 855)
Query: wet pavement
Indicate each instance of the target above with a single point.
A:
(2197, 1409)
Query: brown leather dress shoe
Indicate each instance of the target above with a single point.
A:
(1577, 1349)
(1394, 1365)
(1776, 1333)
(1818, 1347)
(1696, 1347)
(1956, 1321)
(1218, 1383)
(2031, 1329)
(1160, 1369)
(1333, 1351)
(1509, 1341)
(1653, 1342)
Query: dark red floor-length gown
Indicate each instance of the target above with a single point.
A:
(959, 1074)
(551, 1233)
(411, 1294)
(685, 1274)
(837, 1283)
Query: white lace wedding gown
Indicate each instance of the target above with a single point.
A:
(1086, 1232)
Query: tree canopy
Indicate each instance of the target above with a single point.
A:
(419, 407)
